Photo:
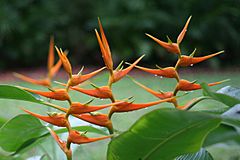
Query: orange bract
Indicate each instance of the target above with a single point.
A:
(43, 82)
(52, 69)
(189, 60)
(78, 138)
(130, 106)
(103, 43)
(185, 85)
(58, 94)
(103, 92)
(96, 118)
(66, 64)
(119, 74)
(170, 46)
(62, 144)
(79, 78)
(55, 118)
(78, 108)
(169, 72)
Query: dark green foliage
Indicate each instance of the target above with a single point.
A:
(25, 28)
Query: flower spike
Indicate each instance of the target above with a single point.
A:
(78, 138)
(185, 61)
(185, 85)
(104, 47)
(79, 78)
(62, 144)
(55, 118)
(58, 94)
(66, 64)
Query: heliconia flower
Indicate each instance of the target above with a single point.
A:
(130, 106)
(58, 94)
(184, 85)
(56, 119)
(120, 73)
(65, 62)
(78, 108)
(170, 46)
(79, 78)
(62, 144)
(190, 60)
(43, 82)
(96, 118)
(169, 72)
(78, 138)
(191, 103)
(103, 92)
(104, 47)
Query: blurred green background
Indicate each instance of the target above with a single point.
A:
(26, 25)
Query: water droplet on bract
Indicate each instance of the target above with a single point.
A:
(161, 76)
(191, 65)
(155, 75)
(101, 99)
(185, 92)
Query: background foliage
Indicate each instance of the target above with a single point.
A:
(25, 28)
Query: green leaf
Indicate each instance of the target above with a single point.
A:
(225, 99)
(12, 92)
(163, 134)
(18, 130)
(203, 154)
(221, 134)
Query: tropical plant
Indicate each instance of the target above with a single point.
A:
(165, 133)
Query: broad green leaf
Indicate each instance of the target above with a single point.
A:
(18, 130)
(12, 92)
(203, 154)
(163, 134)
(221, 134)
(225, 99)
